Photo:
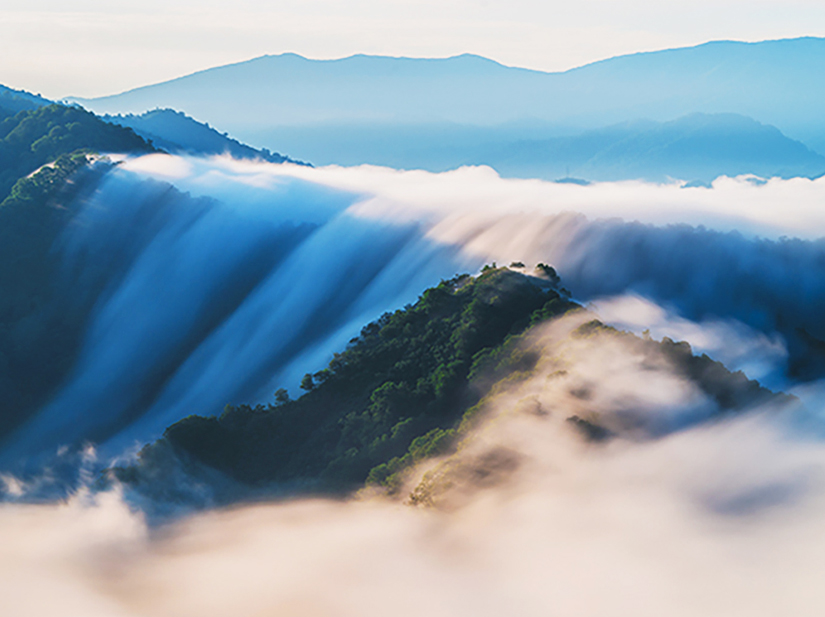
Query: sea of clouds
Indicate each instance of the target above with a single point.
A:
(716, 517)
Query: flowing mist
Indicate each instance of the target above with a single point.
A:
(218, 281)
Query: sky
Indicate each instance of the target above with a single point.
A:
(96, 47)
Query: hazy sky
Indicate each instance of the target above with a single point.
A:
(95, 47)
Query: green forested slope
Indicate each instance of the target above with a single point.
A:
(32, 138)
(405, 376)
(404, 390)
(12, 101)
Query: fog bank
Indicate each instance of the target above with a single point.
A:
(721, 519)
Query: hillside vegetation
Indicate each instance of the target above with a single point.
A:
(30, 139)
(406, 389)
(404, 378)
(12, 101)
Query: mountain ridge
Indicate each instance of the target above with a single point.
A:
(465, 55)
(412, 386)
(719, 144)
(774, 82)
(13, 101)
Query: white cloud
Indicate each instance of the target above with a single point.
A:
(737, 346)
(771, 210)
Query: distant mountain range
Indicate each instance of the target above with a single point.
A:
(774, 82)
(723, 108)
(697, 147)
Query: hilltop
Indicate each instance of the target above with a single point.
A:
(411, 387)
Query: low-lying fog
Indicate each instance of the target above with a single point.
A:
(720, 519)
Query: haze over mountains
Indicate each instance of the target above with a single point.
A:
(442, 113)
(697, 147)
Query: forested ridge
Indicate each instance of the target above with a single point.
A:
(408, 388)
(402, 382)
(30, 139)
(12, 101)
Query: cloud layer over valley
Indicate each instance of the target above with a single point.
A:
(244, 276)
(528, 517)
(216, 281)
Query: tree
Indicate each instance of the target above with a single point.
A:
(307, 383)
(548, 272)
